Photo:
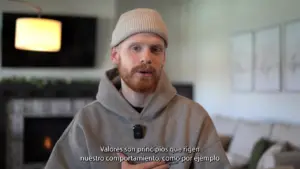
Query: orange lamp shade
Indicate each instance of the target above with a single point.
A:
(38, 34)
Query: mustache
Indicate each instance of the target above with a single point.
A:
(144, 68)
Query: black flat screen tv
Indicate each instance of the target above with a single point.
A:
(78, 45)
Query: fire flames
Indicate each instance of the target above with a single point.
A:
(47, 143)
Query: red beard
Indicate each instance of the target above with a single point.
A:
(142, 79)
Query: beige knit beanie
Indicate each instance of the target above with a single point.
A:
(140, 20)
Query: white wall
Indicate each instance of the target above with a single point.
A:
(105, 10)
(215, 21)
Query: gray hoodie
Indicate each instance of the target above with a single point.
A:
(176, 129)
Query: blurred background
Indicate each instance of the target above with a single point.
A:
(205, 38)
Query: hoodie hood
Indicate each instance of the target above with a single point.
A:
(110, 97)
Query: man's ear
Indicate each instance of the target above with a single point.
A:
(114, 56)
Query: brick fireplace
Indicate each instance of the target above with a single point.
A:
(33, 127)
(33, 118)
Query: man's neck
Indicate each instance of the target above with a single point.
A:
(134, 98)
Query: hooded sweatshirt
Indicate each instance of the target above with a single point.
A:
(175, 129)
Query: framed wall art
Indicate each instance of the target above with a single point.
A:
(242, 62)
(267, 60)
(291, 60)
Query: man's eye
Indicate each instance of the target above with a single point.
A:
(136, 48)
(156, 49)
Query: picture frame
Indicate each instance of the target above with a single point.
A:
(267, 60)
(242, 62)
(291, 59)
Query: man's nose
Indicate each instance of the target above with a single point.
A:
(146, 57)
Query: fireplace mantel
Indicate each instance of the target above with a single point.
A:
(28, 90)
(51, 90)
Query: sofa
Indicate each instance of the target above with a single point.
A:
(259, 145)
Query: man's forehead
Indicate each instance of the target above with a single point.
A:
(145, 38)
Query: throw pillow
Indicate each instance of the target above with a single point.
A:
(237, 161)
(258, 149)
(268, 158)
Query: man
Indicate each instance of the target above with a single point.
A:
(138, 121)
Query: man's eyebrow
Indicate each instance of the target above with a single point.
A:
(134, 43)
(158, 45)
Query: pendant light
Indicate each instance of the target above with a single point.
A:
(36, 33)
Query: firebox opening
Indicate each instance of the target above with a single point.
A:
(48, 143)
(40, 136)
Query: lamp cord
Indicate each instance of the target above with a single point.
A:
(39, 9)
